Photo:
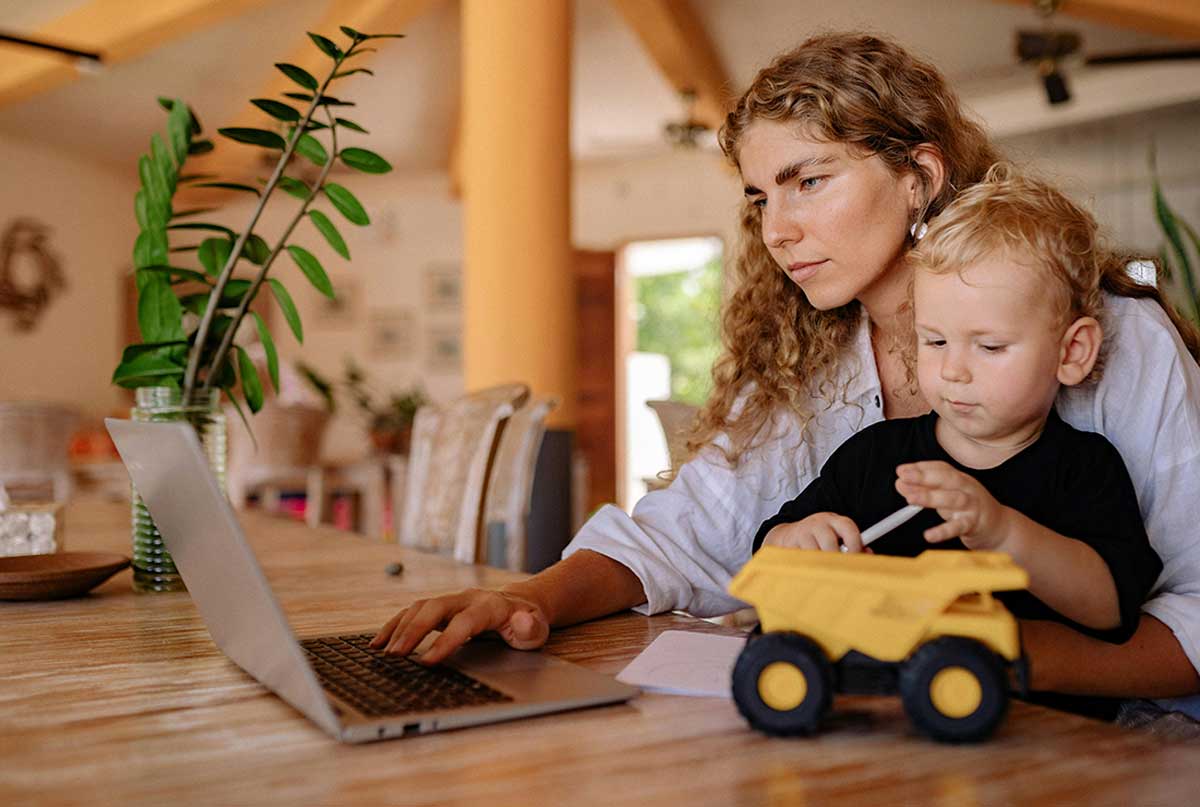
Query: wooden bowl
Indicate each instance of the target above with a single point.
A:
(56, 576)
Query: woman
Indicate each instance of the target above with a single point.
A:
(846, 145)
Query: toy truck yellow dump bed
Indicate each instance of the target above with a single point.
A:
(882, 606)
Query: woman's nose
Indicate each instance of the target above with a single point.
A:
(780, 229)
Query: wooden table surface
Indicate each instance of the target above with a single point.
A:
(118, 698)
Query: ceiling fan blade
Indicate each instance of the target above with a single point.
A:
(1139, 56)
(54, 47)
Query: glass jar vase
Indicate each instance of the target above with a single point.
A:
(153, 568)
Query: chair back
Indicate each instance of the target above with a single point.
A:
(452, 448)
(35, 439)
(676, 418)
(288, 452)
(510, 485)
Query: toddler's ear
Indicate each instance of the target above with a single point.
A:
(1078, 350)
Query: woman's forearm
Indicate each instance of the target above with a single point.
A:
(584, 586)
(1150, 665)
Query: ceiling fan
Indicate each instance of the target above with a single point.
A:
(1048, 47)
(84, 58)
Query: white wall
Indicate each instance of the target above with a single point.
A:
(70, 355)
(1104, 165)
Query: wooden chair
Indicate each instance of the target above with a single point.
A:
(510, 486)
(34, 442)
(447, 470)
(287, 457)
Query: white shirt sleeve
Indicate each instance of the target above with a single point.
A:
(1147, 404)
(686, 542)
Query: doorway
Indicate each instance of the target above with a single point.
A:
(668, 337)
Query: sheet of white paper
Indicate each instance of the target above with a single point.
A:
(685, 663)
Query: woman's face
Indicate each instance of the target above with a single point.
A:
(834, 221)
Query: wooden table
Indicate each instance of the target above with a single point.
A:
(119, 698)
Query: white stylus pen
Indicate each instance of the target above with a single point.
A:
(887, 524)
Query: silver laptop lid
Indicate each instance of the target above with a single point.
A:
(201, 531)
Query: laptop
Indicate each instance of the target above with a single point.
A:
(352, 692)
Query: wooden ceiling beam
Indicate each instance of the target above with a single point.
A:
(237, 162)
(119, 30)
(1177, 19)
(677, 42)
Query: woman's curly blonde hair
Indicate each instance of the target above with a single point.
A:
(871, 94)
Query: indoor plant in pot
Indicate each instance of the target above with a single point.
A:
(389, 418)
(188, 316)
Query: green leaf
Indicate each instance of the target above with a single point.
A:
(350, 32)
(326, 45)
(384, 36)
(145, 371)
(235, 290)
(312, 269)
(216, 228)
(160, 315)
(268, 344)
(150, 249)
(225, 377)
(228, 388)
(183, 178)
(290, 314)
(322, 223)
(214, 254)
(179, 127)
(294, 187)
(149, 216)
(175, 274)
(229, 186)
(326, 100)
(298, 74)
(255, 137)
(251, 386)
(169, 105)
(256, 250)
(315, 126)
(349, 124)
(366, 161)
(156, 348)
(201, 147)
(276, 109)
(345, 73)
(311, 149)
(347, 204)
(153, 184)
(163, 163)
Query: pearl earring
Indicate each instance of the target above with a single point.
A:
(918, 230)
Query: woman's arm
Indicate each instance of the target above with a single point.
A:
(1150, 665)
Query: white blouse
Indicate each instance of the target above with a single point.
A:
(686, 541)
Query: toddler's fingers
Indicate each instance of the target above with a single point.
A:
(944, 532)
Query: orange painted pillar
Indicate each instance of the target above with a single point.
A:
(518, 285)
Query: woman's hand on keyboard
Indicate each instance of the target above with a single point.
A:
(459, 617)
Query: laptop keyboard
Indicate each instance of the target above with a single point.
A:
(379, 685)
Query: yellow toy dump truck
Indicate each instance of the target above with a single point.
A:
(927, 627)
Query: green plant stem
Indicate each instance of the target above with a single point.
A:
(189, 378)
(248, 297)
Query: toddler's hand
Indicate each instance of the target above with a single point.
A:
(818, 531)
(971, 513)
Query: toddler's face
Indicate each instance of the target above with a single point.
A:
(988, 346)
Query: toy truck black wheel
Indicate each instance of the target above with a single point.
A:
(954, 690)
(782, 684)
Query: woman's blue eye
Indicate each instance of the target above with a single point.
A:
(934, 342)
(993, 348)
(759, 203)
(810, 182)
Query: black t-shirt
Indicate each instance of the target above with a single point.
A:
(1070, 481)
